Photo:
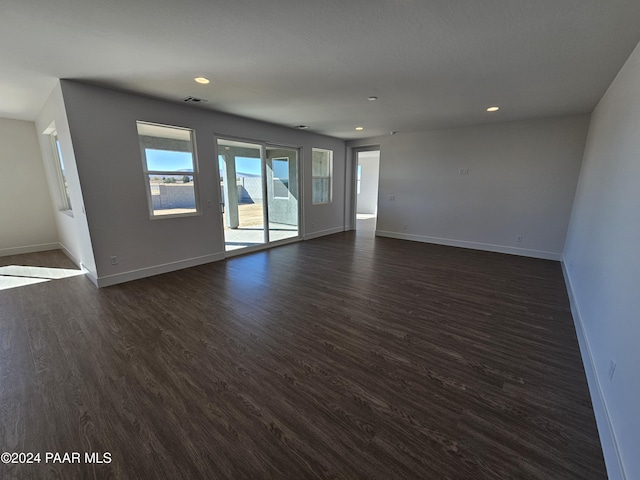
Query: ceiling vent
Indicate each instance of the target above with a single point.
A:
(193, 100)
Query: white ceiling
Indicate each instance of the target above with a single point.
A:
(432, 63)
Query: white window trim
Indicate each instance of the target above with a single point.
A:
(194, 175)
(64, 194)
(329, 178)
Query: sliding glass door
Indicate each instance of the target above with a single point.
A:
(242, 189)
(259, 191)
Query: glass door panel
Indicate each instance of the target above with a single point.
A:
(242, 188)
(282, 192)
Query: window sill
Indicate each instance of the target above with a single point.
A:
(175, 215)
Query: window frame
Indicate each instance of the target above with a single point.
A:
(328, 177)
(63, 183)
(194, 174)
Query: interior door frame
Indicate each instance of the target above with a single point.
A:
(265, 215)
(354, 178)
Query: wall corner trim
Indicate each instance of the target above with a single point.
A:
(91, 277)
(114, 279)
(523, 252)
(72, 257)
(613, 462)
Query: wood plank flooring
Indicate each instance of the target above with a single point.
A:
(345, 357)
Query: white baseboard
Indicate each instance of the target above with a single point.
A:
(322, 233)
(156, 270)
(91, 276)
(524, 252)
(71, 256)
(43, 247)
(610, 449)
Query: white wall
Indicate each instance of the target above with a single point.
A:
(73, 231)
(105, 141)
(602, 264)
(26, 213)
(368, 197)
(522, 179)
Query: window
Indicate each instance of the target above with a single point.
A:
(359, 179)
(280, 168)
(321, 171)
(170, 169)
(65, 198)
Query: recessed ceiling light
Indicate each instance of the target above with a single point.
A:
(372, 98)
(493, 109)
(202, 80)
(359, 128)
(302, 127)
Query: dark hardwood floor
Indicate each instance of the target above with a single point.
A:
(345, 357)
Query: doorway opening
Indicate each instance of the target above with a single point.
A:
(367, 163)
(259, 187)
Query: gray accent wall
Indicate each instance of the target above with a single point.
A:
(520, 183)
(602, 266)
(102, 123)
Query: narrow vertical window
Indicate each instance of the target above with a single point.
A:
(65, 198)
(359, 179)
(170, 169)
(322, 173)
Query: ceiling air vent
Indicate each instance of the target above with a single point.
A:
(193, 100)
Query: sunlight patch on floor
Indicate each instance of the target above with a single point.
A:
(12, 276)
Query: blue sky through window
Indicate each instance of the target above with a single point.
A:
(280, 168)
(60, 155)
(249, 166)
(168, 161)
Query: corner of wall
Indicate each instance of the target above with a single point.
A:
(73, 233)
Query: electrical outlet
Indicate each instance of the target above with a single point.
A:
(392, 198)
(114, 260)
(405, 226)
(612, 370)
(519, 239)
(463, 171)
